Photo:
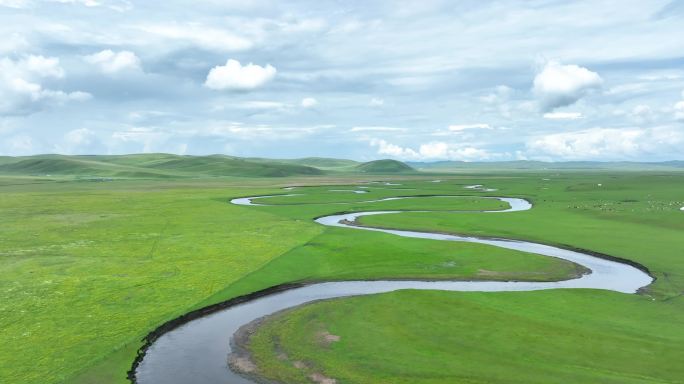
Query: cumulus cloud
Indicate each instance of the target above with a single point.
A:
(563, 115)
(43, 66)
(21, 88)
(112, 62)
(558, 85)
(436, 150)
(309, 102)
(607, 143)
(234, 76)
(385, 148)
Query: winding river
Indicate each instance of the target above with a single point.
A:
(197, 351)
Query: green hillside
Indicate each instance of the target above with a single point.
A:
(149, 166)
(384, 166)
(67, 165)
(323, 162)
(218, 165)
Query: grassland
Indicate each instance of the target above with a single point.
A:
(564, 336)
(446, 337)
(89, 267)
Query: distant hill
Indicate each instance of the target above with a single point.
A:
(150, 166)
(454, 166)
(164, 165)
(317, 162)
(218, 165)
(322, 162)
(384, 166)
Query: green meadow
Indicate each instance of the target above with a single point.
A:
(92, 262)
(560, 336)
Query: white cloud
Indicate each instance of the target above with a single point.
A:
(259, 104)
(87, 3)
(112, 62)
(81, 136)
(559, 85)
(501, 93)
(76, 141)
(607, 143)
(44, 66)
(13, 42)
(442, 150)
(14, 3)
(21, 88)
(679, 110)
(376, 129)
(563, 115)
(145, 139)
(234, 76)
(643, 113)
(464, 127)
(309, 102)
(196, 34)
(376, 102)
(436, 150)
(18, 145)
(385, 148)
(117, 5)
(261, 132)
(500, 100)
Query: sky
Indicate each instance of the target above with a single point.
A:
(410, 80)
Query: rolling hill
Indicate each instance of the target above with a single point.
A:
(456, 166)
(149, 166)
(164, 165)
(384, 166)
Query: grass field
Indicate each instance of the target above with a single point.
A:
(88, 268)
(565, 336)
(445, 337)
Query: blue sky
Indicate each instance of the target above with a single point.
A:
(416, 80)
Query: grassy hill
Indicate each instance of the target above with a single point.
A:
(149, 166)
(218, 165)
(323, 162)
(384, 166)
(164, 165)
